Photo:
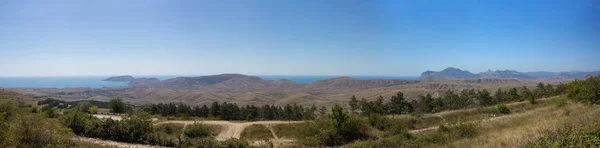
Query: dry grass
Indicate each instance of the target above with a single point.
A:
(516, 130)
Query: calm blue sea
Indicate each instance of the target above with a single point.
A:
(96, 81)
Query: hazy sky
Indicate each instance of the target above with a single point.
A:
(305, 37)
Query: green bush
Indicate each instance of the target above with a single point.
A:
(197, 131)
(31, 130)
(234, 143)
(503, 109)
(464, 130)
(379, 122)
(569, 136)
(338, 129)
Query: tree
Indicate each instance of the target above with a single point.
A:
(484, 98)
(587, 91)
(84, 106)
(215, 109)
(116, 105)
(397, 104)
(339, 116)
(353, 103)
(549, 90)
(560, 89)
(426, 103)
(528, 95)
(540, 91)
(499, 96)
(513, 94)
(323, 111)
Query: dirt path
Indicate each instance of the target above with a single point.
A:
(231, 129)
(113, 117)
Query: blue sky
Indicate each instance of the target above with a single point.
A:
(304, 37)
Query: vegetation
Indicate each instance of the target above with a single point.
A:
(116, 105)
(20, 127)
(197, 131)
(468, 98)
(587, 91)
(231, 111)
(337, 129)
(256, 132)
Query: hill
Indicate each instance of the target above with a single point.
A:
(238, 82)
(124, 78)
(455, 73)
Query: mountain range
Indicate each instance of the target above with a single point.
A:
(238, 82)
(455, 73)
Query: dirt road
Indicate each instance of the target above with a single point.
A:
(231, 129)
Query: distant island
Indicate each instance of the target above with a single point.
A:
(125, 78)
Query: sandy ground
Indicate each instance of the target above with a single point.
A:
(113, 117)
(231, 129)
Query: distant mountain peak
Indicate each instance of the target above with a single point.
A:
(449, 72)
(453, 73)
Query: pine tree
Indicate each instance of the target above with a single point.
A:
(513, 94)
(354, 104)
(397, 104)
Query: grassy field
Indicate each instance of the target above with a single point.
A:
(515, 130)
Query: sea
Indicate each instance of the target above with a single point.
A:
(96, 81)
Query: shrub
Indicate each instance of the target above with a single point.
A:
(116, 105)
(197, 131)
(340, 128)
(569, 136)
(465, 130)
(379, 122)
(76, 121)
(234, 143)
(30, 130)
(93, 109)
(503, 109)
(49, 112)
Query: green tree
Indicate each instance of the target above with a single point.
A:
(426, 103)
(353, 103)
(397, 104)
(499, 96)
(84, 106)
(587, 91)
(484, 98)
(513, 94)
(116, 105)
(560, 89)
(339, 116)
